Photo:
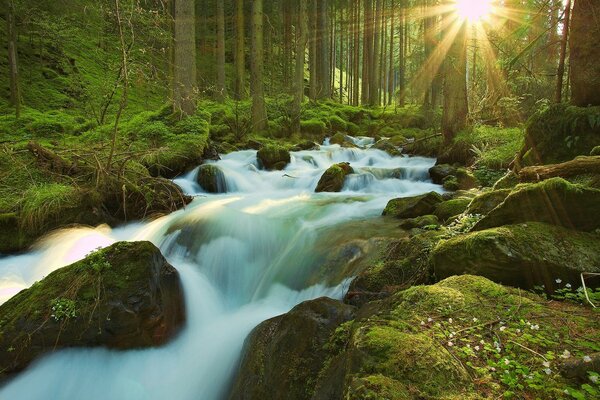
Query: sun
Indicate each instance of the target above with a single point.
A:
(474, 10)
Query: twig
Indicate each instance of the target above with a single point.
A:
(528, 349)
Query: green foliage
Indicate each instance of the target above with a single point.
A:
(313, 127)
(155, 133)
(488, 176)
(492, 147)
(63, 309)
(194, 126)
(41, 204)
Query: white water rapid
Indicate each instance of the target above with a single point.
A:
(244, 256)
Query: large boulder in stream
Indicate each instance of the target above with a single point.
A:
(283, 354)
(411, 207)
(554, 201)
(212, 179)
(123, 297)
(273, 157)
(334, 178)
(525, 255)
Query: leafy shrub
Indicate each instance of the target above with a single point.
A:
(313, 127)
(155, 133)
(193, 125)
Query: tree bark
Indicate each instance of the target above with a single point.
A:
(259, 113)
(13, 64)
(456, 109)
(563, 54)
(585, 53)
(221, 91)
(184, 68)
(240, 55)
(301, 39)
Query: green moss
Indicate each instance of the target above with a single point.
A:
(451, 208)
(491, 147)
(273, 157)
(43, 206)
(313, 127)
(562, 132)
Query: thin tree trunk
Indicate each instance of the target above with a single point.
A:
(391, 62)
(367, 51)
(301, 39)
(240, 54)
(563, 54)
(13, 64)
(221, 90)
(312, 52)
(184, 68)
(259, 113)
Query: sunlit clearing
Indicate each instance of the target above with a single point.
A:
(474, 10)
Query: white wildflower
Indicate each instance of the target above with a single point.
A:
(429, 319)
(476, 348)
(558, 280)
(422, 322)
(450, 320)
(566, 354)
(506, 361)
(450, 344)
(475, 320)
(568, 286)
(594, 378)
(502, 328)
(546, 364)
(548, 371)
(587, 359)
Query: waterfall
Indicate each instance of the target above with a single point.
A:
(244, 256)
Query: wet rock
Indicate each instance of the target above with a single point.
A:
(440, 172)
(451, 208)
(123, 297)
(411, 207)
(554, 201)
(272, 157)
(333, 179)
(525, 255)
(419, 222)
(388, 147)
(282, 355)
(212, 179)
(305, 145)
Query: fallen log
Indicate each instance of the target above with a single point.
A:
(578, 166)
(51, 161)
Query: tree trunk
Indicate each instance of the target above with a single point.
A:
(13, 64)
(301, 39)
(221, 90)
(454, 117)
(367, 51)
(259, 113)
(374, 68)
(563, 54)
(585, 53)
(312, 51)
(184, 68)
(240, 55)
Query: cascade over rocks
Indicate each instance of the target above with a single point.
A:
(125, 296)
(273, 157)
(283, 354)
(333, 179)
(554, 201)
(411, 207)
(525, 255)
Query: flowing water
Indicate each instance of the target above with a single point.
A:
(244, 256)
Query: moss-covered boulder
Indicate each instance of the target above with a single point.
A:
(508, 181)
(273, 157)
(125, 296)
(560, 134)
(451, 208)
(440, 172)
(388, 147)
(554, 201)
(525, 255)
(486, 202)
(419, 222)
(454, 340)
(284, 354)
(305, 145)
(595, 151)
(453, 178)
(12, 237)
(411, 207)
(211, 179)
(333, 179)
(339, 138)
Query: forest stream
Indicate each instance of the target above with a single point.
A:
(244, 256)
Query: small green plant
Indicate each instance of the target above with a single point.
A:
(63, 309)
(463, 224)
(97, 261)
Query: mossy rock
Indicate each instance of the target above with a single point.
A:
(420, 222)
(212, 179)
(12, 238)
(453, 178)
(284, 354)
(334, 178)
(340, 139)
(273, 157)
(486, 202)
(440, 172)
(554, 201)
(525, 255)
(561, 133)
(595, 151)
(411, 207)
(123, 297)
(451, 208)
(508, 181)
(388, 147)
(305, 145)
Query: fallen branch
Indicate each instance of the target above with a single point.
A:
(578, 166)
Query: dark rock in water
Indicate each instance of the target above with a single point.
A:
(453, 178)
(486, 202)
(525, 255)
(411, 207)
(211, 153)
(125, 296)
(272, 157)
(554, 201)
(212, 179)
(333, 179)
(338, 138)
(439, 172)
(305, 145)
(283, 354)
(388, 147)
